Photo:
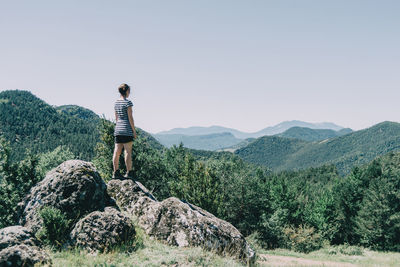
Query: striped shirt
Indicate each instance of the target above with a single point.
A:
(123, 127)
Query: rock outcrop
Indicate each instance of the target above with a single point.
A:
(78, 191)
(74, 187)
(179, 223)
(101, 231)
(18, 247)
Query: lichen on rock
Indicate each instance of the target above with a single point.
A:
(179, 223)
(101, 231)
(19, 247)
(74, 187)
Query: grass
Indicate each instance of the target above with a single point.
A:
(148, 252)
(340, 255)
(145, 251)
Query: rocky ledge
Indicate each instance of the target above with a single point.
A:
(179, 223)
(97, 224)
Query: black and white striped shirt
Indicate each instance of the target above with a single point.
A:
(123, 127)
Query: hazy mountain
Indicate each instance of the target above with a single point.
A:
(277, 129)
(356, 148)
(197, 130)
(286, 125)
(203, 142)
(301, 133)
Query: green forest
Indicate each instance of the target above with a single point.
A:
(345, 152)
(302, 210)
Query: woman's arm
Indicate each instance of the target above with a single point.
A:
(130, 116)
(116, 117)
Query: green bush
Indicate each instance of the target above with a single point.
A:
(16, 179)
(302, 239)
(55, 227)
(346, 250)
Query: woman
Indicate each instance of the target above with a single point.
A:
(124, 132)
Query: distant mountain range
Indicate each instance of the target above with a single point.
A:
(346, 151)
(27, 122)
(209, 138)
(214, 141)
(272, 130)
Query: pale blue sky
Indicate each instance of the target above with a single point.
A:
(240, 64)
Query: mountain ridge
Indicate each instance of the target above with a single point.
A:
(29, 123)
(271, 130)
(344, 152)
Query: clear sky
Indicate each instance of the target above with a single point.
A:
(240, 64)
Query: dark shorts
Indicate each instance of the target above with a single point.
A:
(120, 139)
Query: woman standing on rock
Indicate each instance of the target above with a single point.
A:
(124, 132)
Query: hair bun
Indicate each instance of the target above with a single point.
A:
(123, 88)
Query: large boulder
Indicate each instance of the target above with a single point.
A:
(180, 223)
(74, 187)
(19, 247)
(101, 231)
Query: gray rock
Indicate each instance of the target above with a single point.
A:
(16, 235)
(18, 247)
(180, 223)
(74, 187)
(103, 230)
(23, 255)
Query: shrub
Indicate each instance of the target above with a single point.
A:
(16, 179)
(346, 250)
(55, 227)
(302, 239)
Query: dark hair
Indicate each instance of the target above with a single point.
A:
(123, 88)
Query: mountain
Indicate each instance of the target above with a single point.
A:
(196, 130)
(308, 134)
(286, 125)
(301, 133)
(352, 149)
(29, 123)
(277, 129)
(204, 142)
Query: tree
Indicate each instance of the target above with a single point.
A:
(16, 180)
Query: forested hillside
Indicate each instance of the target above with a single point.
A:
(29, 123)
(78, 112)
(353, 149)
(308, 134)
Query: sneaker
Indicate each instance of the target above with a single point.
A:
(117, 175)
(129, 175)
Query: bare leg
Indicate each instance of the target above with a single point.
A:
(128, 156)
(117, 153)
